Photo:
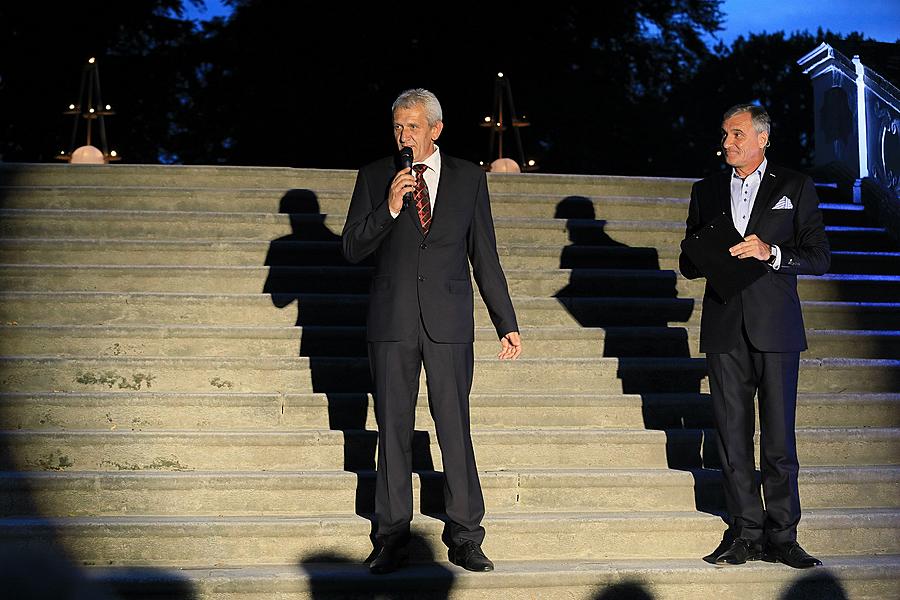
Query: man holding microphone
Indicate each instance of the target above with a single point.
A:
(424, 225)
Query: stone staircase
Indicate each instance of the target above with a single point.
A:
(184, 408)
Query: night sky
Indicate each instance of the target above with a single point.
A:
(878, 19)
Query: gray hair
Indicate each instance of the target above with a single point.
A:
(761, 121)
(429, 102)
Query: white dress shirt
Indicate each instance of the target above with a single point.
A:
(743, 196)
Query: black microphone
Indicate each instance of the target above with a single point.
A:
(406, 160)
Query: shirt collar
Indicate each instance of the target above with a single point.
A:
(760, 170)
(433, 162)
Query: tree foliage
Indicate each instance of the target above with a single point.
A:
(43, 50)
(621, 87)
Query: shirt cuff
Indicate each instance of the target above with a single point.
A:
(777, 252)
(394, 214)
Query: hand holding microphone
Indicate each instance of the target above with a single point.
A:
(404, 183)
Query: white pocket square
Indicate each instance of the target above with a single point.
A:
(783, 204)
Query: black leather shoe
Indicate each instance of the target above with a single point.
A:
(792, 555)
(389, 559)
(469, 556)
(740, 552)
(725, 544)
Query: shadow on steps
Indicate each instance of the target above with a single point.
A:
(654, 359)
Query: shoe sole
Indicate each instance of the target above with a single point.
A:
(486, 570)
(728, 564)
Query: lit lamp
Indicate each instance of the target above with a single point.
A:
(505, 165)
(89, 110)
(504, 118)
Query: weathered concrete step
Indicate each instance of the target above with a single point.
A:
(869, 239)
(185, 541)
(321, 340)
(355, 279)
(171, 225)
(117, 224)
(147, 410)
(339, 309)
(172, 252)
(842, 213)
(347, 374)
(109, 224)
(881, 263)
(239, 493)
(355, 449)
(178, 176)
(318, 340)
(77, 308)
(142, 224)
(324, 253)
(322, 201)
(340, 576)
(302, 253)
(181, 176)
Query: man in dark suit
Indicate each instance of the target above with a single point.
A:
(753, 340)
(421, 312)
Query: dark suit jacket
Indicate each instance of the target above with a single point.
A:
(769, 307)
(415, 273)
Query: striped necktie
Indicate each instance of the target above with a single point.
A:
(423, 201)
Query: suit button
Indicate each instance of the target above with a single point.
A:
(421, 278)
(423, 246)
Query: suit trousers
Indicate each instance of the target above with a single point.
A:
(396, 367)
(734, 378)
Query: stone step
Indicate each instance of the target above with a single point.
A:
(146, 225)
(325, 253)
(338, 575)
(319, 340)
(335, 201)
(881, 263)
(354, 279)
(349, 374)
(354, 450)
(842, 213)
(322, 202)
(162, 225)
(147, 410)
(99, 308)
(222, 177)
(251, 253)
(185, 541)
(350, 309)
(176, 176)
(859, 239)
(309, 493)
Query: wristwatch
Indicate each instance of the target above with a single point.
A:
(772, 256)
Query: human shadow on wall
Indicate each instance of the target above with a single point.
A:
(334, 576)
(307, 266)
(623, 290)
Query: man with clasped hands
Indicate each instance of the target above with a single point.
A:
(753, 340)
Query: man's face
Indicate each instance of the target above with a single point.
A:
(411, 129)
(744, 148)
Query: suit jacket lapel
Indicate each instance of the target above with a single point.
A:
(446, 182)
(724, 195)
(763, 198)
